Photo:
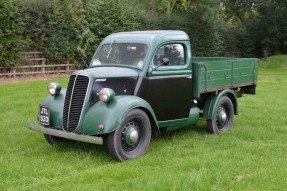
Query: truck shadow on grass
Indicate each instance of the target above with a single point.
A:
(99, 152)
(95, 152)
(197, 129)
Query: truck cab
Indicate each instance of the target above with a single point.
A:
(141, 82)
(162, 86)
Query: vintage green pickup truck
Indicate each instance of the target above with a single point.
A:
(143, 82)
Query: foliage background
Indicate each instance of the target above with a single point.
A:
(71, 29)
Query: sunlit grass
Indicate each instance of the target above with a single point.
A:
(274, 62)
(251, 156)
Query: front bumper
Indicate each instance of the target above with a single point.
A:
(67, 135)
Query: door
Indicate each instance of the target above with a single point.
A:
(170, 87)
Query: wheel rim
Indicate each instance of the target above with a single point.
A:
(221, 117)
(130, 136)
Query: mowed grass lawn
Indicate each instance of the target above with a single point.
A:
(251, 156)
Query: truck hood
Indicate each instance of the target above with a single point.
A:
(121, 80)
(107, 72)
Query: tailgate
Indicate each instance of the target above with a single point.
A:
(213, 76)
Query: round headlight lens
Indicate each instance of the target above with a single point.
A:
(54, 88)
(106, 94)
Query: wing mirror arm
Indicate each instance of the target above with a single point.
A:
(85, 61)
(164, 62)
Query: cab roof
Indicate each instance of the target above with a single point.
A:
(148, 37)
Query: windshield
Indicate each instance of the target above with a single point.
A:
(130, 54)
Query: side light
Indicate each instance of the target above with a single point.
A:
(106, 95)
(101, 127)
(54, 88)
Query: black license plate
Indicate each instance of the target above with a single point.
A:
(44, 115)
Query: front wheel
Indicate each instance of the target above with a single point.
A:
(132, 138)
(224, 116)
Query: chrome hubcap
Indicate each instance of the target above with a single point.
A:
(222, 117)
(132, 136)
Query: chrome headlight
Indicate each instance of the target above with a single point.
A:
(106, 95)
(54, 88)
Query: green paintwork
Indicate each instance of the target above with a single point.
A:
(172, 70)
(154, 39)
(180, 123)
(112, 114)
(56, 104)
(222, 73)
(108, 72)
(94, 73)
(209, 111)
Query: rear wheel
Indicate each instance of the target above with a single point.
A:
(132, 138)
(53, 140)
(224, 116)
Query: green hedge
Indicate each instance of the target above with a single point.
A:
(72, 29)
(62, 29)
(65, 29)
(11, 29)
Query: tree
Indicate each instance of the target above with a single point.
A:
(77, 27)
(10, 33)
(262, 25)
(35, 18)
(106, 17)
(269, 28)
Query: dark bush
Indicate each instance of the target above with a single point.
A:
(10, 33)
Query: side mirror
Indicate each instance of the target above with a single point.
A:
(85, 61)
(164, 62)
(83, 57)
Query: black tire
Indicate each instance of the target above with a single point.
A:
(218, 125)
(117, 143)
(53, 140)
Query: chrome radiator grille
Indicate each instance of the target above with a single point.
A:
(74, 101)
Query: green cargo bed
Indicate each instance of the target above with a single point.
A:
(215, 74)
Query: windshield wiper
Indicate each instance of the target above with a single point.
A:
(110, 48)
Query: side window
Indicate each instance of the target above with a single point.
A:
(174, 52)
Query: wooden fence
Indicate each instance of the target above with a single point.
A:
(35, 64)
